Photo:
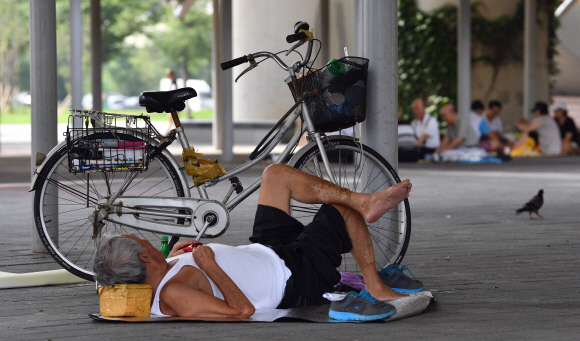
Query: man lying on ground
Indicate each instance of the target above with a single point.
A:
(288, 265)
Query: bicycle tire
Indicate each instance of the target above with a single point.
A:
(391, 234)
(71, 209)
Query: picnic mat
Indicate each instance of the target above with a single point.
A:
(414, 304)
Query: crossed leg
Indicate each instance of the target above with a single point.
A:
(280, 183)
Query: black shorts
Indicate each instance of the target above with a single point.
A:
(311, 252)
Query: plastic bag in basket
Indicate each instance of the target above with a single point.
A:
(201, 170)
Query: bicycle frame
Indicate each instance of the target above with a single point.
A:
(306, 126)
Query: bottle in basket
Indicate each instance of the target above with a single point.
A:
(332, 69)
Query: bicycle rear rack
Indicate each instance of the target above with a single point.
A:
(108, 142)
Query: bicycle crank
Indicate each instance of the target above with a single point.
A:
(185, 217)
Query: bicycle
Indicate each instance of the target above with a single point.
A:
(121, 178)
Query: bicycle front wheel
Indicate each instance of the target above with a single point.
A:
(363, 170)
(63, 201)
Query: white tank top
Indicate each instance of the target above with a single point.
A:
(256, 269)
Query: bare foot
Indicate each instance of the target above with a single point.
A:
(384, 293)
(381, 202)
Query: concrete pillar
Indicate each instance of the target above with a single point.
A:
(222, 127)
(76, 58)
(379, 44)
(358, 28)
(324, 31)
(96, 54)
(463, 58)
(43, 90)
(529, 56)
(262, 25)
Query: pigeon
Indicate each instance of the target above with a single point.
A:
(533, 205)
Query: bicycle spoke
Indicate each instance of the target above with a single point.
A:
(89, 260)
(74, 228)
(71, 180)
(73, 234)
(71, 190)
(50, 215)
(82, 252)
(54, 196)
(145, 178)
(75, 244)
(391, 219)
(377, 228)
(384, 235)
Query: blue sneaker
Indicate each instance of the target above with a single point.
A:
(393, 277)
(360, 307)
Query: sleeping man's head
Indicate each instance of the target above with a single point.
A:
(124, 260)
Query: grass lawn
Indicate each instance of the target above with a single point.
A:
(22, 115)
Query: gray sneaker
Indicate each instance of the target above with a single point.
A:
(393, 277)
(360, 307)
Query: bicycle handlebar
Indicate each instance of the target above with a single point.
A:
(295, 37)
(302, 36)
(234, 62)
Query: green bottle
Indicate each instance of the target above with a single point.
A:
(165, 246)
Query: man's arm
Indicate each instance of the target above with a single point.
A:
(452, 144)
(566, 141)
(530, 127)
(189, 302)
(422, 139)
(523, 125)
(447, 143)
(443, 145)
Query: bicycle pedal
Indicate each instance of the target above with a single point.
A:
(237, 184)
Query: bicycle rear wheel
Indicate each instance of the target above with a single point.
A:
(363, 171)
(61, 203)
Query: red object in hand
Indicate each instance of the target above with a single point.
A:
(190, 247)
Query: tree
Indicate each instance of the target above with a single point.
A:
(188, 41)
(14, 41)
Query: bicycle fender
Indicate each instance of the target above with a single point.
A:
(311, 144)
(39, 169)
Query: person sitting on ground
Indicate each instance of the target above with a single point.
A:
(288, 265)
(426, 129)
(476, 118)
(460, 132)
(568, 132)
(546, 128)
(492, 118)
(488, 140)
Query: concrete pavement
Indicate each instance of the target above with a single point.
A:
(495, 275)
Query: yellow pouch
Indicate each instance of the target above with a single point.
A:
(201, 170)
(529, 148)
(125, 300)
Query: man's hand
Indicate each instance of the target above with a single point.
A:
(176, 250)
(203, 256)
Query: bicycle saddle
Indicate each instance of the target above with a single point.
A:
(160, 101)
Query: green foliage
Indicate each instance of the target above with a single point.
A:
(134, 70)
(141, 38)
(428, 49)
(14, 40)
(427, 56)
(122, 18)
(188, 41)
(549, 6)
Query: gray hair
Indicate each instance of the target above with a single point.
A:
(117, 261)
